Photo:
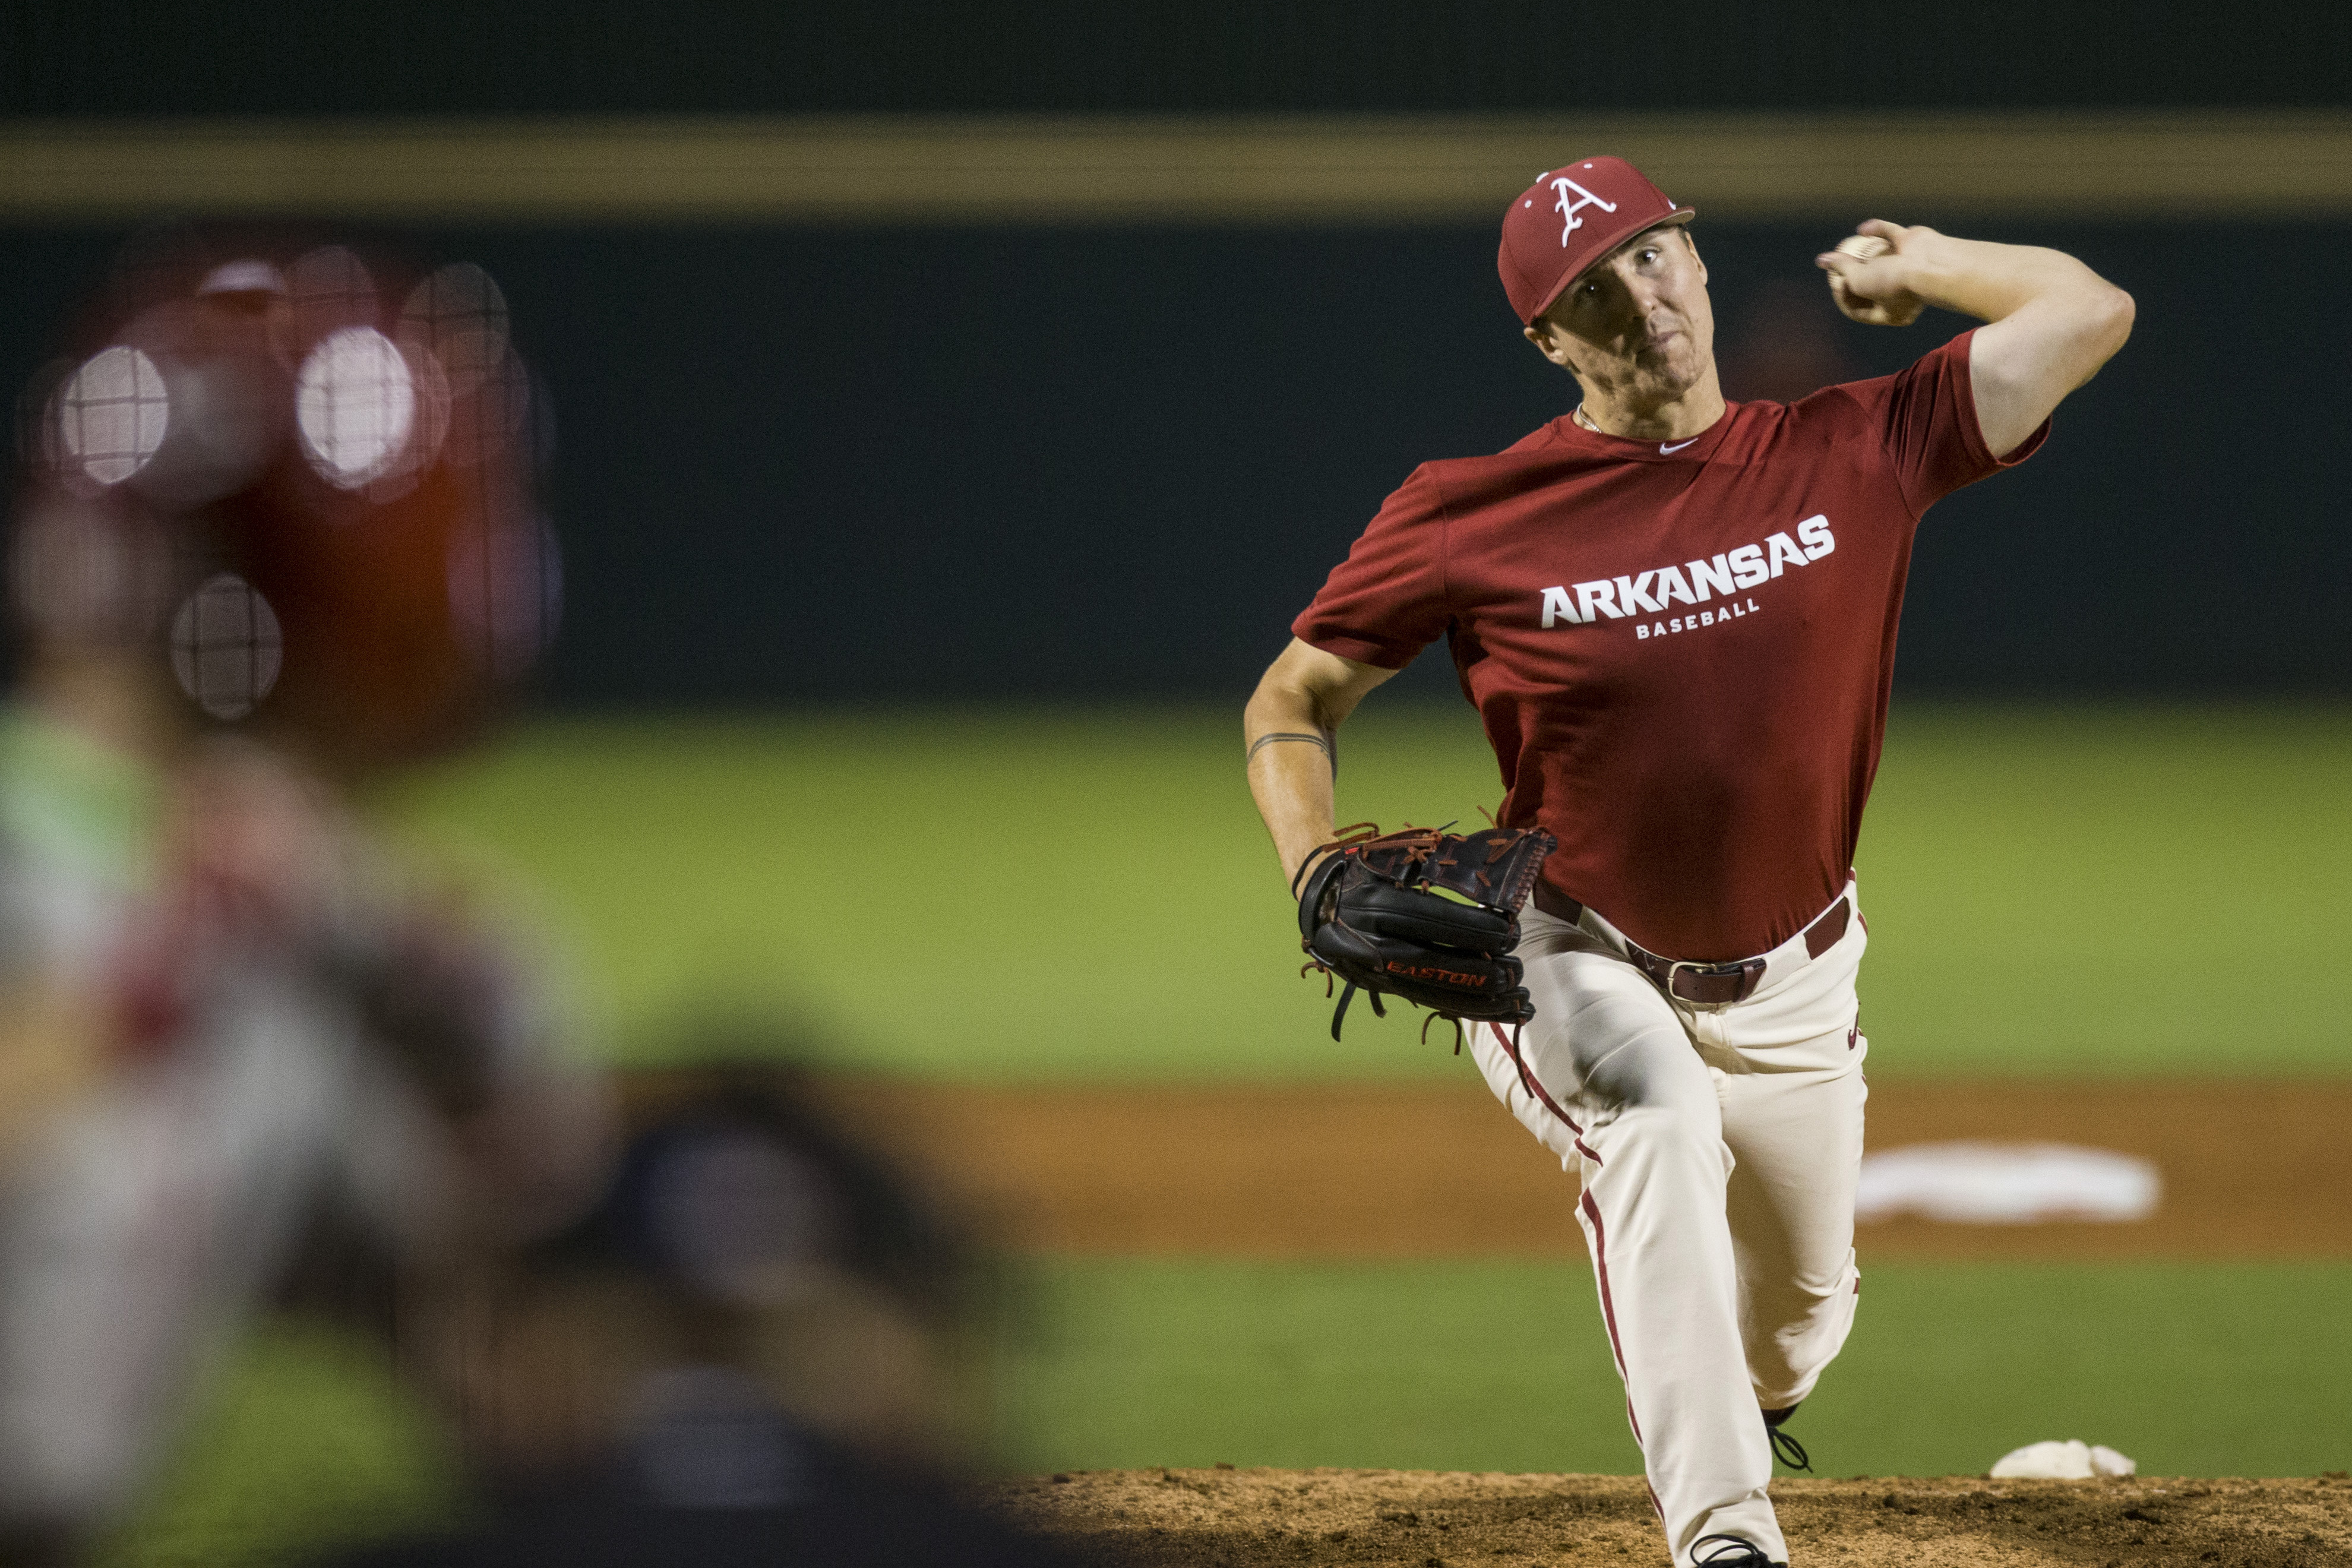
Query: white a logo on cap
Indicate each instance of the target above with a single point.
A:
(1568, 209)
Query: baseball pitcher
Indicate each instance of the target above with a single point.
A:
(1676, 616)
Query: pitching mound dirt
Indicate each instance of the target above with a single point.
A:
(1246, 1518)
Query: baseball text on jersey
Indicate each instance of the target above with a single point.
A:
(1692, 623)
(1652, 592)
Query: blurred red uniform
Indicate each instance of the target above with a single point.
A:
(280, 535)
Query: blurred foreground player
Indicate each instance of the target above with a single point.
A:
(746, 1355)
(276, 537)
(1677, 618)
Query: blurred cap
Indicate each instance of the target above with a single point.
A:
(740, 1191)
(1569, 218)
(299, 482)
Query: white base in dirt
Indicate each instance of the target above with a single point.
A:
(2006, 1183)
(2068, 1461)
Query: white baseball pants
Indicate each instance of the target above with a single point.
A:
(1718, 1148)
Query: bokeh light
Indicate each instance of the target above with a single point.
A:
(506, 591)
(227, 648)
(331, 289)
(113, 414)
(487, 416)
(356, 404)
(460, 315)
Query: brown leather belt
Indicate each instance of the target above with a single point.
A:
(1706, 985)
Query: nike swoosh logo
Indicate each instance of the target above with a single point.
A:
(1670, 451)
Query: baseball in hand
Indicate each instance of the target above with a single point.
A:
(1896, 309)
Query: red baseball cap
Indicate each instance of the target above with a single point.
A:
(1569, 218)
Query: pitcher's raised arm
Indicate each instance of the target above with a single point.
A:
(2053, 320)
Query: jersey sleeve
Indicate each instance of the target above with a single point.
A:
(1386, 601)
(1928, 419)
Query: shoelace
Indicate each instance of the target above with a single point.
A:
(1788, 1450)
(1737, 1552)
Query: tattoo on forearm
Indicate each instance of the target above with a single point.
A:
(1329, 745)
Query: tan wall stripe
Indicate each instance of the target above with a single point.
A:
(1201, 170)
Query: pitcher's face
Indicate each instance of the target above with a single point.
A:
(1638, 324)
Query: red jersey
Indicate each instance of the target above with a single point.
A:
(1681, 651)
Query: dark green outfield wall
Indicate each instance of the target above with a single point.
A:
(279, 57)
(802, 464)
(818, 464)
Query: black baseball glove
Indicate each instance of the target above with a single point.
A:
(1375, 916)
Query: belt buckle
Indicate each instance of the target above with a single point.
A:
(1742, 975)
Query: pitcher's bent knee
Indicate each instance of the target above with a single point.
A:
(1794, 1332)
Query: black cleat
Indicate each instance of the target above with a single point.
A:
(1731, 1552)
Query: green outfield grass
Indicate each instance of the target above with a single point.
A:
(306, 1437)
(2194, 1370)
(1012, 895)
(1049, 896)
(2191, 1369)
